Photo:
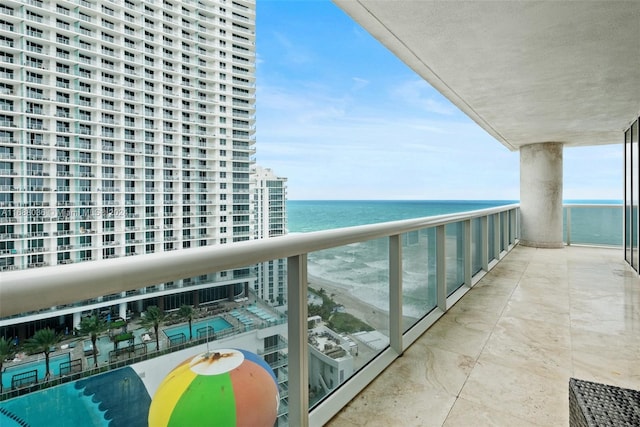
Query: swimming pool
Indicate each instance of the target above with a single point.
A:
(104, 344)
(39, 365)
(217, 323)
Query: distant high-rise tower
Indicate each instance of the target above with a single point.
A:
(126, 128)
(271, 215)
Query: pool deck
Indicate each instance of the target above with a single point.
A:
(74, 345)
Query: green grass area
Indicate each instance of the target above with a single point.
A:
(123, 337)
(118, 324)
(338, 321)
(347, 323)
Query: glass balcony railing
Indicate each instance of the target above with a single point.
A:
(356, 298)
(593, 224)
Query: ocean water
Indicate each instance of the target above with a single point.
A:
(595, 226)
(362, 268)
(314, 215)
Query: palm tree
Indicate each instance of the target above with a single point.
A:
(186, 313)
(153, 317)
(6, 352)
(42, 342)
(93, 326)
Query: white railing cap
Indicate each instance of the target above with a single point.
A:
(34, 289)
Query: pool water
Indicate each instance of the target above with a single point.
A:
(116, 398)
(217, 323)
(54, 367)
(104, 344)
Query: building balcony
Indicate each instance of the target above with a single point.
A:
(486, 328)
(503, 355)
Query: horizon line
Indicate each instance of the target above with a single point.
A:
(441, 200)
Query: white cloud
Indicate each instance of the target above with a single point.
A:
(330, 148)
(339, 128)
(359, 83)
(288, 51)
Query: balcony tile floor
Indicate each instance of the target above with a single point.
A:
(503, 355)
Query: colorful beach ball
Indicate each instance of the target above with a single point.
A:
(226, 387)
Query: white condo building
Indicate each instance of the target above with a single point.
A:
(331, 358)
(126, 128)
(271, 218)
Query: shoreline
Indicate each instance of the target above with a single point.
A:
(368, 313)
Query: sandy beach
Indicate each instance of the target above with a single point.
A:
(370, 314)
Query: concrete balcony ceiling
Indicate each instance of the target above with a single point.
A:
(526, 71)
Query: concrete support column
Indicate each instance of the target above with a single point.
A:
(77, 317)
(196, 299)
(122, 310)
(541, 195)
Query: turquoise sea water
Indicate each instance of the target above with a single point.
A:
(314, 215)
(362, 268)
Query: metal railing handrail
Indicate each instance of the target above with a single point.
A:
(33, 289)
(30, 290)
(592, 205)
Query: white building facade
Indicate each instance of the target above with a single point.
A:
(126, 128)
(331, 358)
(271, 219)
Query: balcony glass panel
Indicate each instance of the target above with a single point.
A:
(418, 275)
(476, 245)
(454, 234)
(491, 239)
(349, 291)
(503, 220)
(629, 223)
(635, 180)
(594, 225)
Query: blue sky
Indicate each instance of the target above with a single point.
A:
(342, 118)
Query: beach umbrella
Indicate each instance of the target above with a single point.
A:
(225, 387)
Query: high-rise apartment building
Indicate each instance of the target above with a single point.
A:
(271, 221)
(126, 128)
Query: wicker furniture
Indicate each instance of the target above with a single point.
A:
(594, 404)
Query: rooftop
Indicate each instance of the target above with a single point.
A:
(329, 342)
(503, 355)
